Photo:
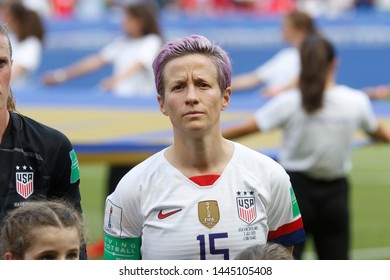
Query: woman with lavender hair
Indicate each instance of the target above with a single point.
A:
(203, 197)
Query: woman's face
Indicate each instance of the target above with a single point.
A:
(192, 97)
(5, 72)
(289, 32)
(132, 25)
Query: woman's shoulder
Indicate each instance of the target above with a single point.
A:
(150, 165)
(30, 41)
(152, 36)
(32, 126)
(145, 174)
(344, 91)
(39, 136)
(262, 166)
(152, 39)
(288, 52)
(128, 41)
(256, 159)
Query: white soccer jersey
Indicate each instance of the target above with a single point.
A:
(205, 217)
(318, 144)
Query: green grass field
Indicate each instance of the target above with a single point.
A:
(370, 206)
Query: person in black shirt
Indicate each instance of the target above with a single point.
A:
(36, 161)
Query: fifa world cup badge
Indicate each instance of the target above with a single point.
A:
(208, 213)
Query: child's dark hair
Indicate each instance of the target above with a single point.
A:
(17, 227)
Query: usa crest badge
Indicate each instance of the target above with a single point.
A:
(24, 181)
(208, 213)
(246, 206)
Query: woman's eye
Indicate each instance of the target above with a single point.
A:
(203, 85)
(3, 62)
(177, 87)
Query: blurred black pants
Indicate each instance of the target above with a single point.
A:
(324, 207)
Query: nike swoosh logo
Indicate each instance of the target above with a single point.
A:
(162, 215)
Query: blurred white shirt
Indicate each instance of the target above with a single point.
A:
(281, 69)
(318, 144)
(27, 54)
(123, 52)
(42, 7)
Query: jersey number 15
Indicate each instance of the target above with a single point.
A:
(213, 250)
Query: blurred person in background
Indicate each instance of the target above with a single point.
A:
(42, 230)
(36, 160)
(318, 120)
(281, 71)
(130, 54)
(42, 7)
(27, 36)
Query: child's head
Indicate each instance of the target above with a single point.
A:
(268, 251)
(41, 230)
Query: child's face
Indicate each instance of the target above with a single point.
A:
(53, 243)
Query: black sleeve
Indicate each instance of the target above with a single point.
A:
(65, 177)
(66, 180)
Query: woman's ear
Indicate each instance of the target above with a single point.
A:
(161, 104)
(226, 98)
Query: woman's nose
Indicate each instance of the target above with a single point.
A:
(192, 95)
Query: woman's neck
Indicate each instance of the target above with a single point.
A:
(200, 155)
(330, 81)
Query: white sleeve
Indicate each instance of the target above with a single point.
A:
(28, 54)
(122, 215)
(149, 49)
(111, 50)
(279, 211)
(368, 122)
(276, 112)
(270, 68)
(285, 220)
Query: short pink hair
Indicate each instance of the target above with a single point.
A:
(195, 44)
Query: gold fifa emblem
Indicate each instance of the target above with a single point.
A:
(208, 213)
